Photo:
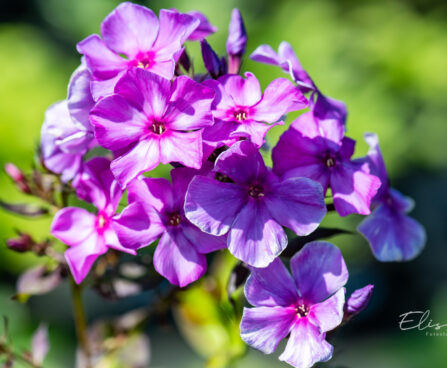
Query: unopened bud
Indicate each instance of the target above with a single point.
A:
(210, 59)
(236, 42)
(22, 243)
(358, 301)
(18, 177)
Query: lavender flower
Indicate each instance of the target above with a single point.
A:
(147, 42)
(240, 109)
(305, 306)
(89, 235)
(250, 203)
(318, 149)
(66, 133)
(149, 121)
(180, 252)
(393, 235)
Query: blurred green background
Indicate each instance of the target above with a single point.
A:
(386, 59)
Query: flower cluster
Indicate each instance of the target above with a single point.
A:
(136, 100)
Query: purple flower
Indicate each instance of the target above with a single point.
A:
(358, 301)
(66, 133)
(240, 109)
(146, 42)
(151, 121)
(89, 235)
(250, 203)
(323, 107)
(179, 255)
(204, 29)
(236, 42)
(393, 235)
(305, 306)
(318, 149)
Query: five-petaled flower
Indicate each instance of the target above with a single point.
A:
(250, 203)
(179, 255)
(149, 120)
(90, 235)
(305, 306)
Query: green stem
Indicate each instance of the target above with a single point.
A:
(80, 320)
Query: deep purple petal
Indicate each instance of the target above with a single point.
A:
(101, 61)
(203, 242)
(393, 236)
(255, 237)
(117, 123)
(142, 157)
(263, 328)
(306, 346)
(328, 314)
(271, 286)
(316, 172)
(330, 108)
(279, 98)
(176, 259)
(191, 105)
(182, 147)
(237, 35)
(130, 29)
(353, 189)
(136, 227)
(297, 203)
(212, 205)
(242, 163)
(319, 271)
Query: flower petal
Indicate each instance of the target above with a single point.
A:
(212, 205)
(353, 189)
(100, 60)
(72, 225)
(204, 29)
(271, 286)
(297, 203)
(393, 236)
(263, 328)
(79, 98)
(279, 98)
(306, 346)
(328, 314)
(255, 238)
(244, 91)
(253, 131)
(319, 271)
(117, 124)
(242, 163)
(152, 193)
(182, 147)
(144, 156)
(130, 29)
(176, 259)
(203, 242)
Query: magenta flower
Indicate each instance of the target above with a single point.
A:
(250, 203)
(393, 235)
(179, 255)
(66, 133)
(323, 107)
(89, 235)
(318, 149)
(149, 121)
(146, 42)
(305, 306)
(240, 109)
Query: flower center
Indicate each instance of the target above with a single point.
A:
(329, 161)
(158, 128)
(175, 219)
(240, 115)
(302, 310)
(256, 191)
(101, 221)
(145, 61)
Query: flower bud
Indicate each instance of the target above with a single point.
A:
(22, 243)
(210, 59)
(236, 42)
(358, 301)
(18, 177)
